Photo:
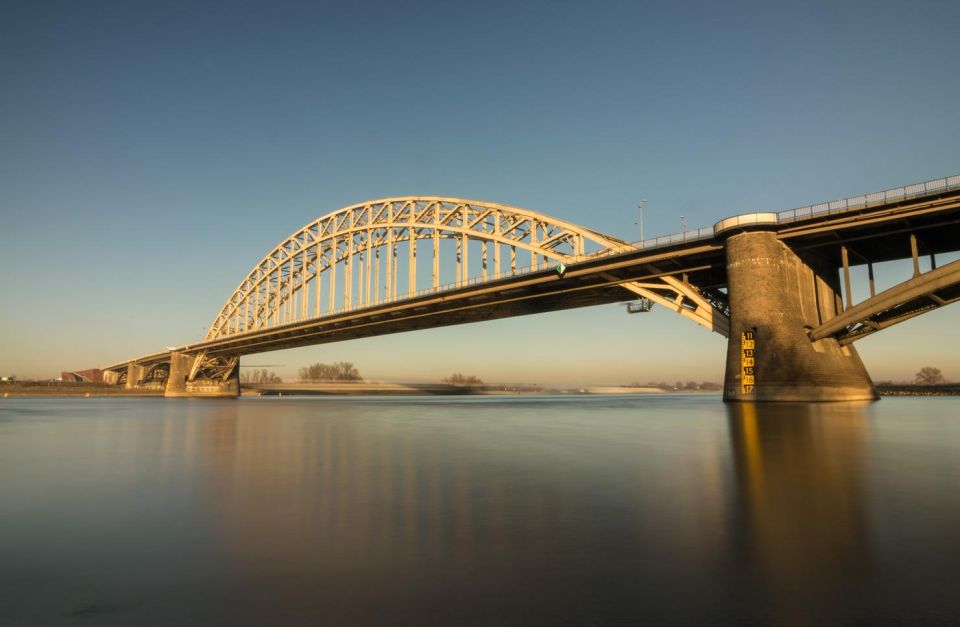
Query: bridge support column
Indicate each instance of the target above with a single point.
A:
(135, 374)
(179, 384)
(775, 299)
(180, 366)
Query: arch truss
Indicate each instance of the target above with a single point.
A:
(396, 248)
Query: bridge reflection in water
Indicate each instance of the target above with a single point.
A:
(429, 511)
(800, 499)
(360, 510)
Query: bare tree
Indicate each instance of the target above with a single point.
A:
(929, 376)
(459, 379)
(338, 371)
(260, 376)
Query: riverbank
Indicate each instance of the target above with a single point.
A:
(63, 388)
(46, 389)
(911, 389)
(60, 388)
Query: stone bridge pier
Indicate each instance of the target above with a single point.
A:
(189, 377)
(776, 298)
(135, 374)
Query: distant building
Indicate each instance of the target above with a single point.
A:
(94, 375)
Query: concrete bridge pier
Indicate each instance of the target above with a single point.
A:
(179, 384)
(776, 297)
(135, 374)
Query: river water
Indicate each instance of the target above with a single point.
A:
(580, 510)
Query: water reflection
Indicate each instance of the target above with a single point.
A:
(353, 510)
(577, 511)
(801, 494)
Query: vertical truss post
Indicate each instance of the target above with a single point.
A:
(533, 243)
(277, 305)
(390, 256)
(348, 271)
(332, 305)
(436, 245)
(913, 253)
(288, 313)
(845, 257)
(369, 259)
(465, 253)
(361, 276)
(316, 273)
(483, 244)
(497, 228)
(303, 285)
(256, 308)
(376, 275)
(276, 294)
(411, 252)
(459, 258)
(873, 288)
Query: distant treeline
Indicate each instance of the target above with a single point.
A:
(259, 376)
(885, 388)
(680, 385)
(337, 371)
(461, 379)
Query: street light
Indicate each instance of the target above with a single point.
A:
(642, 202)
(683, 224)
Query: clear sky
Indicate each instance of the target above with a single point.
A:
(152, 153)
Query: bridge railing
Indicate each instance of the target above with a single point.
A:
(906, 192)
(690, 235)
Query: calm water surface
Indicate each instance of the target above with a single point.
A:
(658, 510)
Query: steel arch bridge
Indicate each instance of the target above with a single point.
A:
(416, 262)
(351, 258)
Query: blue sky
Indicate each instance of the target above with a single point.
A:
(151, 153)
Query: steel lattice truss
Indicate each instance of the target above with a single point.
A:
(365, 243)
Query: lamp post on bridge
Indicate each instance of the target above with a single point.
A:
(640, 205)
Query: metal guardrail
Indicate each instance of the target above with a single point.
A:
(690, 235)
(945, 184)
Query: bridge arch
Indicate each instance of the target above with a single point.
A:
(299, 279)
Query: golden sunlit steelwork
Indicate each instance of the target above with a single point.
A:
(298, 280)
